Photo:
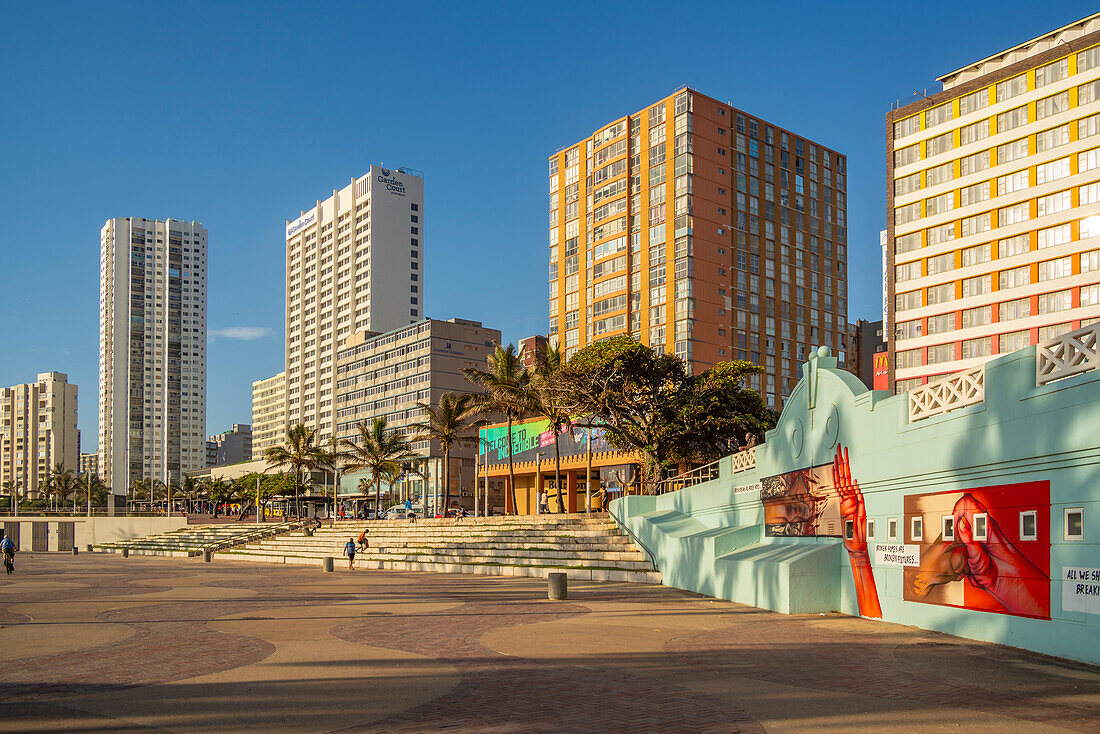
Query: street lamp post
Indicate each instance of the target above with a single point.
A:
(538, 479)
(477, 473)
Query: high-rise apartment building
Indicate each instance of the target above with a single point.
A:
(386, 375)
(230, 447)
(994, 197)
(354, 262)
(89, 464)
(704, 231)
(268, 413)
(37, 431)
(152, 353)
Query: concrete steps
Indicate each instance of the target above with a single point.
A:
(583, 547)
(192, 540)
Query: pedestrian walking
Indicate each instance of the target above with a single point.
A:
(349, 551)
(362, 540)
(544, 503)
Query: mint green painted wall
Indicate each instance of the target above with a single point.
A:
(709, 538)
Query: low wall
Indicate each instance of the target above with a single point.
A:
(981, 521)
(61, 533)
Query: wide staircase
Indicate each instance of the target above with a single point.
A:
(588, 548)
(192, 540)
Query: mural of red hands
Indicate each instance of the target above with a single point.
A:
(994, 572)
(852, 510)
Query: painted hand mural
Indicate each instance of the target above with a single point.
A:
(971, 561)
(852, 510)
(818, 502)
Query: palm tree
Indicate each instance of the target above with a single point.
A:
(299, 453)
(60, 484)
(447, 424)
(506, 384)
(548, 403)
(11, 488)
(380, 450)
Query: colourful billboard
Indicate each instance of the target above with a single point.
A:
(531, 437)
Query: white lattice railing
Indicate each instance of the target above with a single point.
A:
(1067, 355)
(950, 393)
(745, 459)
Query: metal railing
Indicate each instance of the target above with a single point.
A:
(1067, 355)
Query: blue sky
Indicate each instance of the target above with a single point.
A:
(242, 114)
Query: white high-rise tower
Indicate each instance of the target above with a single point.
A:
(152, 350)
(353, 262)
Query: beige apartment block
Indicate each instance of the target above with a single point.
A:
(268, 413)
(701, 230)
(994, 207)
(152, 354)
(89, 463)
(354, 262)
(388, 374)
(37, 431)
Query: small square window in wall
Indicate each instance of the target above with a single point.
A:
(980, 526)
(870, 530)
(849, 529)
(416, 207)
(948, 527)
(415, 242)
(1074, 523)
(412, 312)
(1029, 525)
(892, 529)
(916, 528)
(415, 230)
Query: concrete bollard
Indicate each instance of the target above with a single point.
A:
(557, 584)
(76, 550)
(207, 555)
(326, 564)
(125, 552)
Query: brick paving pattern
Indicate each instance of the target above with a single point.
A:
(693, 673)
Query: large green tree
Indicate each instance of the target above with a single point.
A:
(59, 485)
(299, 453)
(650, 403)
(447, 423)
(507, 393)
(380, 450)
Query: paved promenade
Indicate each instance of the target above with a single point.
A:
(99, 643)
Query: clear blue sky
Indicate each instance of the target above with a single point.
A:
(241, 114)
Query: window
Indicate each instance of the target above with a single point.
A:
(1013, 151)
(980, 316)
(905, 156)
(916, 528)
(973, 348)
(1012, 119)
(1052, 138)
(1012, 310)
(1053, 203)
(1029, 525)
(1088, 126)
(975, 194)
(941, 293)
(1052, 72)
(1089, 193)
(947, 523)
(1051, 171)
(849, 529)
(940, 204)
(974, 101)
(906, 185)
(1012, 214)
(938, 264)
(939, 174)
(1054, 236)
(1088, 59)
(1053, 269)
(975, 163)
(976, 224)
(937, 115)
(1088, 160)
(870, 530)
(908, 126)
(976, 255)
(1015, 277)
(907, 243)
(974, 132)
(1013, 341)
(941, 144)
(1087, 93)
(1074, 523)
(1013, 246)
(979, 526)
(1054, 302)
(941, 353)
(1012, 182)
(1052, 105)
(977, 285)
(940, 324)
(892, 529)
(1013, 87)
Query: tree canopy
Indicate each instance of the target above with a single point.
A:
(650, 403)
